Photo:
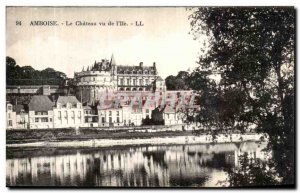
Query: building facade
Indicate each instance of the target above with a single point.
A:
(40, 112)
(11, 117)
(106, 76)
(68, 112)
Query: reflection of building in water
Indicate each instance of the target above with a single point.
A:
(191, 165)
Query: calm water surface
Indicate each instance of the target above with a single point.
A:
(147, 166)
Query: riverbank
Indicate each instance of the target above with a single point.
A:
(104, 138)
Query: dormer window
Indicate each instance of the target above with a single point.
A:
(58, 105)
(78, 105)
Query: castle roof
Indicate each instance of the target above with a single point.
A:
(123, 68)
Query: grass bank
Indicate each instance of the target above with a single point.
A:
(39, 135)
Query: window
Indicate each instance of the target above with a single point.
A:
(10, 123)
(118, 113)
(9, 107)
(128, 81)
(103, 119)
(147, 110)
(121, 81)
(44, 119)
(50, 119)
(109, 113)
(134, 83)
(45, 113)
(141, 82)
(9, 115)
(118, 120)
(73, 114)
(59, 114)
(36, 120)
(79, 114)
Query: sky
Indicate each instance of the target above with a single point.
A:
(164, 38)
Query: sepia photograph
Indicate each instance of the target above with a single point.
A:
(150, 97)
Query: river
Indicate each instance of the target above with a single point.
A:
(195, 165)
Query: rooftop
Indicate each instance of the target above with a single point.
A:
(63, 100)
(40, 103)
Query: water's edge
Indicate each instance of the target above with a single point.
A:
(203, 139)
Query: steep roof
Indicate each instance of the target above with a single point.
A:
(40, 103)
(108, 104)
(63, 100)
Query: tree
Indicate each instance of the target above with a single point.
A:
(179, 82)
(253, 51)
(27, 75)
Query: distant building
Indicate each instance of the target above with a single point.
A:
(106, 76)
(11, 117)
(40, 112)
(68, 112)
(136, 115)
(110, 114)
(172, 116)
(90, 116)
(22, 121)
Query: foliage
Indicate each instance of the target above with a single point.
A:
(251, 50)
(27, 75)
(179, 82)
(252, 172)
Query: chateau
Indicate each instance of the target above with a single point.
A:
(107, 76)
(106, 95)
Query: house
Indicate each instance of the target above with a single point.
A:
(172, 116)
(90, 116)
(40, 112)
(11, 117)
(68, 112)
(136, 116)
(110, 114)
(22, 120)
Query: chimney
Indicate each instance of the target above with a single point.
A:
(141, 64)
(154, 65)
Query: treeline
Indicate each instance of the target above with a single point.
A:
(26, 75)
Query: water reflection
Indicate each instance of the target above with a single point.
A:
(151, 166)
